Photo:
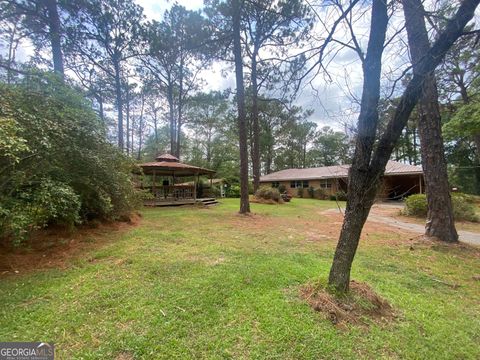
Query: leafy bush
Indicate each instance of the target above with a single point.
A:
(56, 165)
(463, 208)
(300, 192)
(268, 193)
(416, 205)
(233, 191)
(215, 190)
(311, 192)
(282, 188)
(339, 195)
(320, 194)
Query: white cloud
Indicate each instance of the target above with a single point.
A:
(154, 9)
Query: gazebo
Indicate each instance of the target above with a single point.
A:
(164, 171)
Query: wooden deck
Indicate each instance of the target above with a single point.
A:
(181, 202)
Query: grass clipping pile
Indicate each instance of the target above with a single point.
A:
(361, 306)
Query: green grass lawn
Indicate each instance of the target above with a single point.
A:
(209, 283)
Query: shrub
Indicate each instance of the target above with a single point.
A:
(339, 196)
(215, 190)
(268, 193)
(49, 202)
(300, 192)
(320, 194)
(463, 209)
(69, 171)
(416, 205)
(282, 188)
(311, 192)
(233, 191)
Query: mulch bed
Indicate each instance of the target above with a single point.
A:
(361, 306)
(55, 247)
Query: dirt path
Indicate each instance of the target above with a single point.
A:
(384, 214)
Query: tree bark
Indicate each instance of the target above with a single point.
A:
(369, 162)
(140, 127)
(362, 185)
(155, 125)
(173, 132)
(440, 222)
(180, 111)
(100, 108)
(128, 117)
(54, 29)
(255, 124)
(242, 121)
(118, 93)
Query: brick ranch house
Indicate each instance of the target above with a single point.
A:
(400, 179)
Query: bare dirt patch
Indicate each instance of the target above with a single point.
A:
(56, 247)
(360, 307)
(322, 230)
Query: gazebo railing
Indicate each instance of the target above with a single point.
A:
(172, 192)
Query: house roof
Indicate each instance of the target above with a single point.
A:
(337, 171)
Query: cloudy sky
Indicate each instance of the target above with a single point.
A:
(330, 98)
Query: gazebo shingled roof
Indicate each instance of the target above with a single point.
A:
(169, 165)
(167, 157)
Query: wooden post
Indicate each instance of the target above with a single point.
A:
(153, 187)
(194, 188)
(173, 186)
(420, 182)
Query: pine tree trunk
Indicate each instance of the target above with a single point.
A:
(173, 133)
(155, 130)
(54, 29)
(128, 118)
(440, 222)
(180, 111)
(140, 128)
(255, 125)
(242, 121)
(118, 95)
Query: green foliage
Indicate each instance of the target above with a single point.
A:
(300, 192)
(56, 167)
(339, 196)
(465, 122)
(416, 205)
(268, 193)
(282, 188)
(320, 194)
(233, 191)
(463, 206)
(46, 202)
(311, 192)
(329, 148)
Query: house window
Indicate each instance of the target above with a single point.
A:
(299, 184)
(275, 184)
(326, 184)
